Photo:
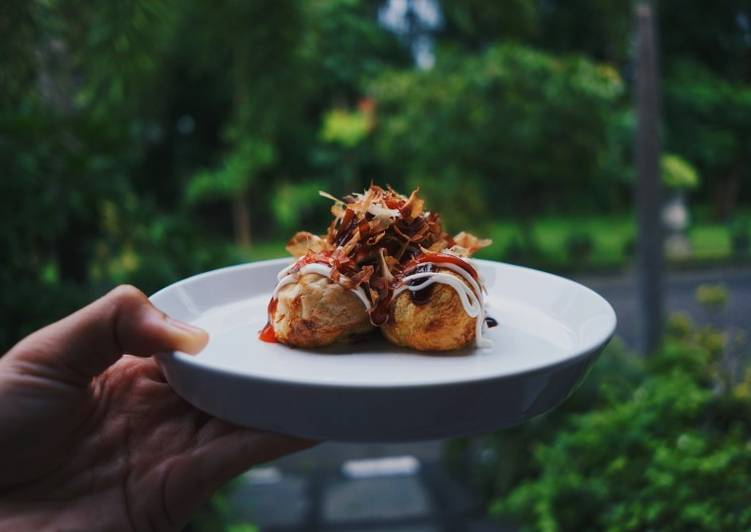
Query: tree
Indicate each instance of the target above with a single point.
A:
(713, 34)
(709, 121)
(707, 58)
(73, 73)
(509, 131)
(287, 63)
(262, 59)
(598, 29)
(480, 23)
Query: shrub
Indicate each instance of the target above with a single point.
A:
(677, 173)
(741, 241)
(713, 297)
(216, 514)
(579, 247)
(653, 443)
(523, 250)
(629, 248)
(515, 251)
(498, 462)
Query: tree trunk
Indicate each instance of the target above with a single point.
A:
(57, 84)
(241, 219)
(649, 245)
(726, 193)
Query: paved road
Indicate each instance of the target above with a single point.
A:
(680, 293)
(310, 491)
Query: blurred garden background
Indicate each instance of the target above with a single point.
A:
(143, 141)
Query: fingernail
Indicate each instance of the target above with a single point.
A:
(192, 329)
(193, 338)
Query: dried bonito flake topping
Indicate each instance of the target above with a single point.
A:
(466, 244)
(371, 239)
(303, 243)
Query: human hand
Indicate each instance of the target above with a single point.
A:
(93, 440)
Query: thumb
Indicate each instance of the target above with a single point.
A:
(90, 340)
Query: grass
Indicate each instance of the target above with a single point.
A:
(264, 250)
(710, 241)
(611, 238)
(551, 236)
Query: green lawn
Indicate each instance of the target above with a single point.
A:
(710, 241)
(611, 237)
(265, 250)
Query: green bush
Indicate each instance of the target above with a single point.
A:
(666, 449)
(497, 463)
(521, 250)
(678, 173)
(216, 514)
(579, 247)
(741, 240)
(713, 297)
(629, 248)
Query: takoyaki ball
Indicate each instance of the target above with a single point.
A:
(315, 312)
(432, 321)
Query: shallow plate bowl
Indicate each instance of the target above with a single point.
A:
(550, 332)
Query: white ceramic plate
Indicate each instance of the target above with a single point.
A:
(550, 331)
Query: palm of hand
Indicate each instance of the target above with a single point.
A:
(126, 452)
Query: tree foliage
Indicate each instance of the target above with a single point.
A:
(677, 172)
(709, 120)
(599, 29)
(133, 133)
(514, 124)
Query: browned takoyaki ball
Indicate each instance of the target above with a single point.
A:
(438, 324)
(314, 312)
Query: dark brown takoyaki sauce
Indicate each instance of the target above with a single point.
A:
(379, 315)
(445, 258)
(491, 322)
(421, 297)
(267, 334)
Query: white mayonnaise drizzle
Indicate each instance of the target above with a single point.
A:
(470, 296)
(285, 278)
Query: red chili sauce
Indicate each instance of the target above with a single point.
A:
(267, 334)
